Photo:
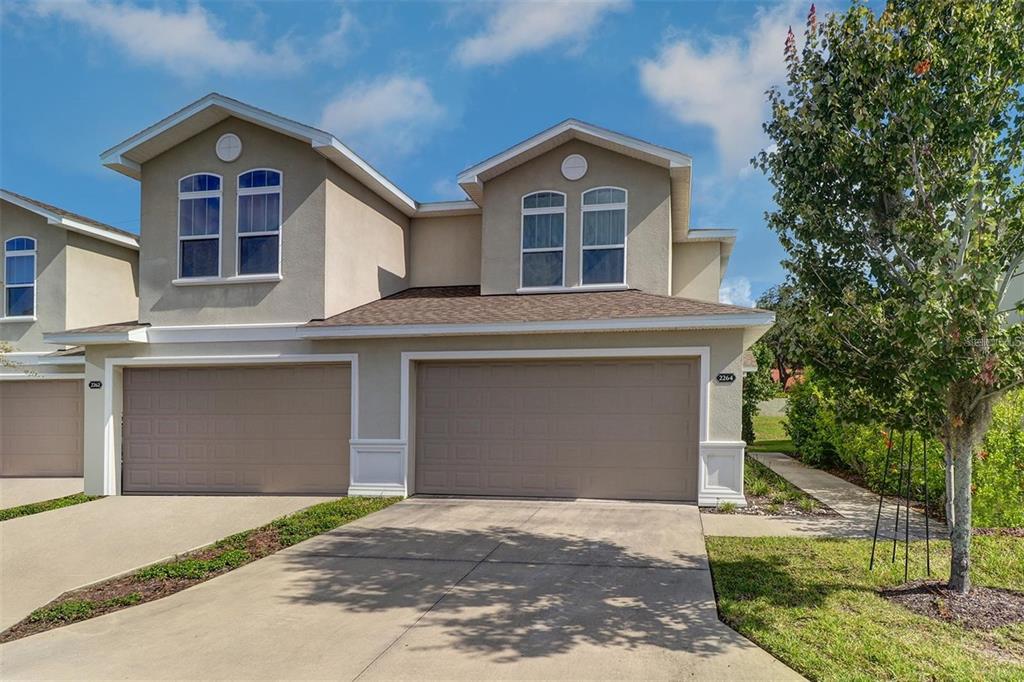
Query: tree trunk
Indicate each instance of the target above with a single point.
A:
(960, 451)
(967, 421)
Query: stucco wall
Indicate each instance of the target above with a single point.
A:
(445, 251)
(51, 278)
(380, 374)
(299, 296)
(696, 270)
(648, 241)
(104, 282)
(366, 245)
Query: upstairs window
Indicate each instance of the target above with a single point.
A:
(603, 257)
(20, 277)
(543, 247)
(259, 222)
(199, 225)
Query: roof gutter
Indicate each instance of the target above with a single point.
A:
(96, 338)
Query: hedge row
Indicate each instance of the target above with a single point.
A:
(824, 441)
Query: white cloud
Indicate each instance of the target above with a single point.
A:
(720, 83)
(736, 291)
(188, 43)
(336, 43)
(386, 118)
(517, 28)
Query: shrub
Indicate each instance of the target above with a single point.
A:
(757, 386)
(811, 423)
(999, 467)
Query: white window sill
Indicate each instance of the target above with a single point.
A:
(18, 318)
(570, 290)
(235, 279)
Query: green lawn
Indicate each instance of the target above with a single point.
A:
(37, 507)
(813, 604)
(770, 436)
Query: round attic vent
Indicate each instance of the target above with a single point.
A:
(229, 147)
(574, 167)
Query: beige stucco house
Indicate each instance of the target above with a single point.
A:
(58, 270)
(304, 326)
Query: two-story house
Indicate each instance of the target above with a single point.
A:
(304, 326)
(59, 270)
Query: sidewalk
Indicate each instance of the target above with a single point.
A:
(856, 507)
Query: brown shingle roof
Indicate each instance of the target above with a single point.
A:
(465, 305)
(72, 216)
(108, 328)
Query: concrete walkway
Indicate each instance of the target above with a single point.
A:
(436, 589)
(857, 509)
(46, 554)
(15, 492)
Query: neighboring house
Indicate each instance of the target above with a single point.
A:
(305, 326)
(1014, 296)
(59, 270)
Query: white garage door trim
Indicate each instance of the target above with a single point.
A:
(110, 486)
(393, 455)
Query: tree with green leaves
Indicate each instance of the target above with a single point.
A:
(757, 387)
(782, 339)
(897, 164)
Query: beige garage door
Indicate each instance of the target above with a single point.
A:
(41, 428)
(268, 429)
(621, 429)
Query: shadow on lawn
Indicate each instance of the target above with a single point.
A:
(510, 594)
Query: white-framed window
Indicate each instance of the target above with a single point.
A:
(543, 240)
(603, 239)
(199, 218)
(20, 277)
(259, 222)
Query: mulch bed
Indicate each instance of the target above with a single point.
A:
(1009, 532)
(983, 608)
(762, 506)
(260, 543)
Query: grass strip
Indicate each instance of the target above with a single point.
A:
(166, 578)
(814, 604)
(46, 505)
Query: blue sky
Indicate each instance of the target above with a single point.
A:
(420, 89)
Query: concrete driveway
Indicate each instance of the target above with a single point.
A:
(436, 588)
(44, 555)
(15, 492)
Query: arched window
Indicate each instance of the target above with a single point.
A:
(199, 225)
(20, 277)
(543, 244)
(259, 222)
(603, 244)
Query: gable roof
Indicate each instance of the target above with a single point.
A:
(72, 221)
(472, 179)
(128, 156)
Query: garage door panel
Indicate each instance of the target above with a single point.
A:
(41, 427)
(233, 429)
(578, 428)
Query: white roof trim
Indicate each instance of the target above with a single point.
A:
(46, 357)
(675, 159)
(73, 225)
(322, 141)
(95, 338)
(448, 208)
(703, 235)
(726, 321)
